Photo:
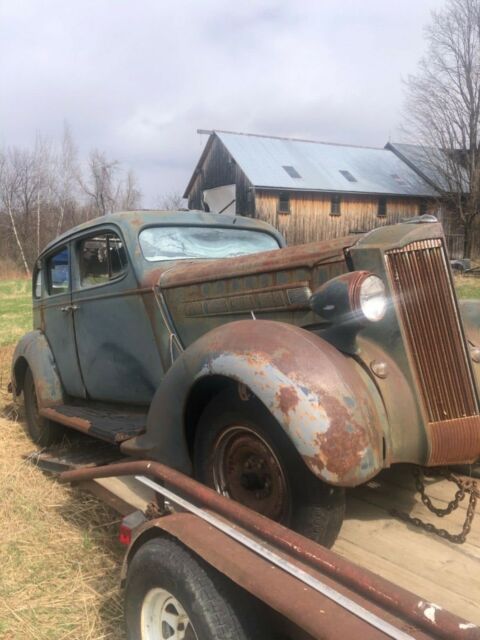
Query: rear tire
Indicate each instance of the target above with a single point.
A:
(242, 452)
(42, 431)
(170, 591)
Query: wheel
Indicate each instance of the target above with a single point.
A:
(242, 452)
(42, 431)
(172, 594)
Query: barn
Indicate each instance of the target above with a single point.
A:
(309, 190)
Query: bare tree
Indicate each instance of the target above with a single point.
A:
(443, 109)
(67, 172)
(100, 184)
(171, 201)
(10, 188)
(130, 195)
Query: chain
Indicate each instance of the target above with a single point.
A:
(464, 486)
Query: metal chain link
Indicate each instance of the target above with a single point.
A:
(465, 486)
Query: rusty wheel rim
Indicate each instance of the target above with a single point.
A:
(246, 469)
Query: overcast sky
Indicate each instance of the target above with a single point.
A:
(136, 78)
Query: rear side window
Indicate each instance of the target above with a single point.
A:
(58, 269)
(102, 258)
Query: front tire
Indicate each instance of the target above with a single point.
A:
(171, 593)
(42, 431)
(242, 452)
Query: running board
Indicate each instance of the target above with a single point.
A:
(108, 425)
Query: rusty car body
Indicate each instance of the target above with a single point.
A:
(137, 357)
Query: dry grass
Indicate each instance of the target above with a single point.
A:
(59, 556)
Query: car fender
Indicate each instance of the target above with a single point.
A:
(325, 402)
(470, 312)
(33, 351)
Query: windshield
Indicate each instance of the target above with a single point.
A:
(183, 243)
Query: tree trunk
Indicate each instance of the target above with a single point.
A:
(17, 238)
(468, 238)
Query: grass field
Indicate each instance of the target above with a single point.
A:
(59, 555)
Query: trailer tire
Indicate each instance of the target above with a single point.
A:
(42, 431)
(290, 494)
(215, 608)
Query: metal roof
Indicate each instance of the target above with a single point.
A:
(272, 163)
(426, 161)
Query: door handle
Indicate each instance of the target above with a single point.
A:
(69, 307)
(65, 309)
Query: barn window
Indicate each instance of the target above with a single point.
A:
(346, 174)
(284, 203)
(292, 172)
(335, 205)
(422, 208)
(382, 207)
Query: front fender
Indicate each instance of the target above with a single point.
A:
(326, 404)
(470, 312)
(33, 351)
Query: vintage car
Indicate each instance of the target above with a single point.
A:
(277, 375)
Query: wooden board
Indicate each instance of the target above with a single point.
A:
(437, 570)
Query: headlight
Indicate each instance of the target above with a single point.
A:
(372, 298)
(351, 299)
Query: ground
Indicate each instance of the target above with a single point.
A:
(59, 553)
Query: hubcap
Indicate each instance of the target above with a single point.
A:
(246, 469)
(164, 618)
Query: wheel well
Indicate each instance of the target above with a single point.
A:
(19, 371)
(200, 395)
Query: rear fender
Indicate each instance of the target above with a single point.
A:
(326, 404)
(33, 351)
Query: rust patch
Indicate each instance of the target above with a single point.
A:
(345, 441)
(287, 399)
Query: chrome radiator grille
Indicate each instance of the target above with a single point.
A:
(426, 305)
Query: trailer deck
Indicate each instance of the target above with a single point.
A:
(435, 569)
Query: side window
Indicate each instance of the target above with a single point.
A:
(102, 258)
(58, 270)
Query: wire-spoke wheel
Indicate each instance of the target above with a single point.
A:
(164, 618)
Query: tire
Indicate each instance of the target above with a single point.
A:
(242, 452)
(42, 431)
(165, 580)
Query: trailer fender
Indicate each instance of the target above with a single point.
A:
(33, 351)
(325, 402)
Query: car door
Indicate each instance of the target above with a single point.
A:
(117, 352)
(58, 319)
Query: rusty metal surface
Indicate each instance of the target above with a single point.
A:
(312, 612)
(307, 255)
(34, 351)
(320, 397)
(427, 307)
(394, 599)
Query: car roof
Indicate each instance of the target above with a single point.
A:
(136, 220)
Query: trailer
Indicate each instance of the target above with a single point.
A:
(200, 566)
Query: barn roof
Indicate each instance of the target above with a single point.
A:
(302, 165)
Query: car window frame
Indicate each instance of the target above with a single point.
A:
(47, 275)
(92, 233)
(205, 226)
(38, 270)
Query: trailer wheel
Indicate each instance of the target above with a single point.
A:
(172, 594)
(42, 431)
(242, 453)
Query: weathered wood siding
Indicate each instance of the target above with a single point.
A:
(310, 216)
(218, 170)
